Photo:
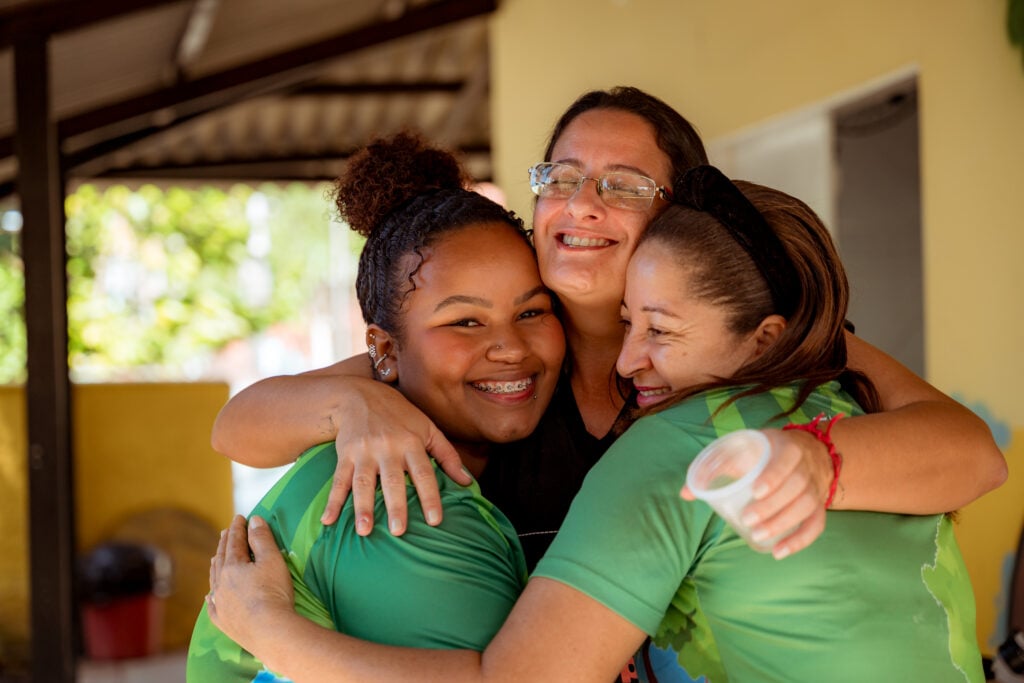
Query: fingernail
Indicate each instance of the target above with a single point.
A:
(222, 532)
(780, 553)
(433, 518)
(760, 535)
(395, 525)
(750, 518)
(467, 472)
(363, 525)
(256, 522)
(759, 490)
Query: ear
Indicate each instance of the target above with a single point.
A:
(385, 364)
(767, 333)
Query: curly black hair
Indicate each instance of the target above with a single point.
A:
(401, 194)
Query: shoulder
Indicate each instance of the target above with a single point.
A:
(306, 476)
(292, 507)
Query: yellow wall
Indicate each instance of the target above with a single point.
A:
(14, 604)
(144, 470)
(733, 64)
(988, 531)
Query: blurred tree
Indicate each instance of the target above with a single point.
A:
(159, 277)
(12, 322)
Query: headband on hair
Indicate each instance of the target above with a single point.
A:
(707, 189)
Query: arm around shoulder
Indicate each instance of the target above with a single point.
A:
(272, 421)
(924, 454)
(554, 632)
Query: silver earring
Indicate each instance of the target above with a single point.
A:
(377, 363)
(372, 350)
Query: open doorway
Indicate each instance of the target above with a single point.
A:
(878, 218)
(855, 160)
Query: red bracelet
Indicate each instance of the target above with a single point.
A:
(825, 437)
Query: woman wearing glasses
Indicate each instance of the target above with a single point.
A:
(734, 305)
(924, 453)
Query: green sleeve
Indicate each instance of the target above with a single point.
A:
(629, 538)
(291, 509)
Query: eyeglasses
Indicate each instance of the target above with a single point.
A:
(622, 190)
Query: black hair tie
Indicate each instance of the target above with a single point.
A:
(707, 189)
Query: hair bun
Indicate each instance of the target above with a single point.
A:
(389, 172)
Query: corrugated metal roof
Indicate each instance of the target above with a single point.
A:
(210, 90)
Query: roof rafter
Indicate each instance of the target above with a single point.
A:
(262, 168)
(57, 16)
(379, 88)
(91, 152)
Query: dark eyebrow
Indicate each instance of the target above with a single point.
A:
(614, 168)
(479, 301)
(539, 289)
(463, 299)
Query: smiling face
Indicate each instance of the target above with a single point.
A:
(480, 349)
(583, 245)
(674, 340)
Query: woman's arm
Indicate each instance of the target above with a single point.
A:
(924, 454)
(271, 422)
(553, 633)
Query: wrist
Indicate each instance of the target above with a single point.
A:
(821, 429)
(271, 645)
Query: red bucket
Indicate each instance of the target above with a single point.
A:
(123, 628)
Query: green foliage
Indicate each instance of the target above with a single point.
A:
(1015, 22)
(159, 277)
(12, 323)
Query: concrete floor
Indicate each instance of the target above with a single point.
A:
(162, 668)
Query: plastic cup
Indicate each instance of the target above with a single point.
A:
(723, 475)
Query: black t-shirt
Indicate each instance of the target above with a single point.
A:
(533, 481)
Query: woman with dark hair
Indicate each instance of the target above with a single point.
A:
(922, 454)
(734, 307)
(460, 324)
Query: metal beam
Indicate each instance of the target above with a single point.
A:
(79, 161)
(48, 393)
(57, 16)
(297, 166)
(89, 153)
(74, 161)
(378, 88)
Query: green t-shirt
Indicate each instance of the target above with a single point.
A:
(877, 597)
(447, 587)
